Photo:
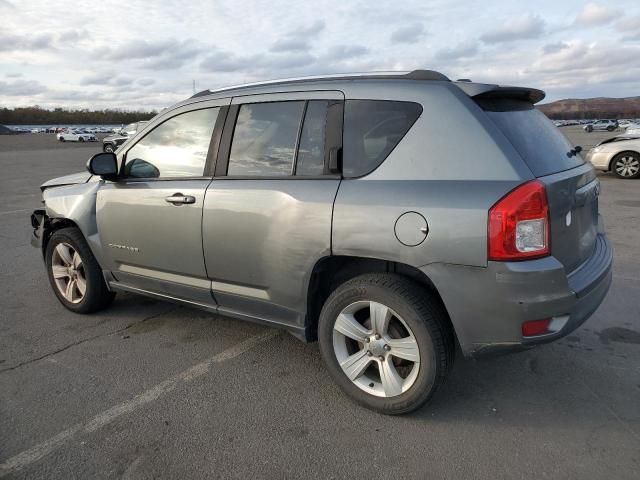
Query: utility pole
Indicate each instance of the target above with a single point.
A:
(194, 86)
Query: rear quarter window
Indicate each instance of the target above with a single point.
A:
(538, 141)
(372, 129)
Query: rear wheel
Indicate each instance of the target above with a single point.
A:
(62, 139)
(74, 273)
(386, 342)
(611, 128)
(81, 139)
(626, 165)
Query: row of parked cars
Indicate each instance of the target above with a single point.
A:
(609, 125)
(109, 143)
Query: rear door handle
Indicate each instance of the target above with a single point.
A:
(180, 199)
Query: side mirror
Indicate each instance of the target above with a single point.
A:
(104, 165)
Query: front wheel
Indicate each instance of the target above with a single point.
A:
(626, 165)
(386, 342)
(81, 139)
(108, 148)
(74, 273)
(62, 139)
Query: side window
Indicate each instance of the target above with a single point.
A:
(312, 139)
(264, 139)
(372, 129)
(175, 148)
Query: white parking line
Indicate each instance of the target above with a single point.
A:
(37, 452)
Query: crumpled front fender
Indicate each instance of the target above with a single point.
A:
(78, 204)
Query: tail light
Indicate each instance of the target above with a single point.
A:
(535, 327)
(519, 224)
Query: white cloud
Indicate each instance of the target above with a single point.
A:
(630, 27)
(408, 34)
(461, 50)
(594, 14)
(148, 58)
(516, 28)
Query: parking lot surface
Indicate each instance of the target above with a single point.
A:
(148, 389)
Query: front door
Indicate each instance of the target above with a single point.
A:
(150, 222)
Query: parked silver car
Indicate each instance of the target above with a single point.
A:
(620, 155)
(601, 125)
(350, 210)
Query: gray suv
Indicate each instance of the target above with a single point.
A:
(348, 210)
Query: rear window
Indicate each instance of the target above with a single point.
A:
(372, 129)
(538, 141)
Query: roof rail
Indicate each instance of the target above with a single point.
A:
(392, 75)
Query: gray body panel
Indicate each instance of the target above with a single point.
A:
(262, 239)
(248, 247)
(150, 243)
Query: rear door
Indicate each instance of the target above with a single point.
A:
(267, 213)
(571, 184)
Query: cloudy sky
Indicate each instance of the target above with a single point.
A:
(130, 54)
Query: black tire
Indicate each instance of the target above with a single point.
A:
(62, 139)
(81, 139)
(589, 128)
(97, 296)
(421, 311)
(108, 148)
(619, 158)
(611, 129)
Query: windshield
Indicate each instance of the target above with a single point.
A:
(129, 129)
(538, 141)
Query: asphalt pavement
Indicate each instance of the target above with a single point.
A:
(148, 389)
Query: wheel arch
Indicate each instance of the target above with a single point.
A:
(330, 272)
(52, 226)
(615, 155)
(75, 205)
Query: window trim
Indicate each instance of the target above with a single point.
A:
(222, 112)
(333, 139)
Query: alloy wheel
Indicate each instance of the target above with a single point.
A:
(68, 273)
(376, 349)
(627, 166)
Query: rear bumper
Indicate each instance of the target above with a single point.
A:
(488, 305)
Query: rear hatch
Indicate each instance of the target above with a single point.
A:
(571, 184)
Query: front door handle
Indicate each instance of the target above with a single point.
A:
(180, 199)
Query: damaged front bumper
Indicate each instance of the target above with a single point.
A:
(40, 223)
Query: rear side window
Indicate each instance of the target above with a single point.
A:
(372, 129)
(264, 139)
(312, 139)
(538, 141)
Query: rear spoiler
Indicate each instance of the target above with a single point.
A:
(489, 91)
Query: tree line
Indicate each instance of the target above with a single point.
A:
(41, 116)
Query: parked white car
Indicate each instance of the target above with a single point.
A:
(633, 129)
(620, 155)
(76, 136)
(609, 125)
